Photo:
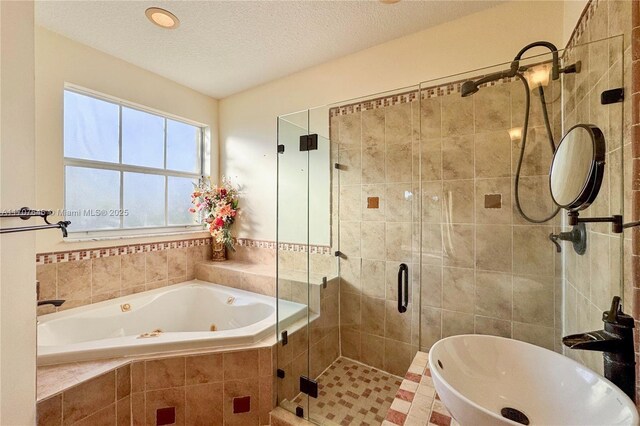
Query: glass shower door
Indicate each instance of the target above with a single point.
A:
(292, 257)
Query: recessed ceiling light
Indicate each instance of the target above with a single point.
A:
(162, 18)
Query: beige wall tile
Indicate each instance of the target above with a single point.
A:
(398, 123)
(350, 275)
(457, 157)
(155, 266)
(371, 353)
(455, 323)
(350, 202)
(494, 295)
(431, 159)
(399, 202)
(399, 241)
(432, 201)
(431, 116)
(204, 404)
(398, 162)
(133, 269)
(538, 335)
(493, 247)
(164, 373)
(74, 280)
(430, 327)
(532, 252)
(397, 326)
(373, 278)
(350, 130)
(531, 299)
(493, 154)
(373, 316)
(431, 286)
(105, 275)
(397, 357)
(373, 165)
(241, 365)
(492, 108)
(49, 411)
(123, 382)
(177, 263)
(373, 127)
(89, 397)
(47, 276)
(373, 240)
(459, 243)
(201, 369)
(457, 115)
(458, 292)
(350, 161)
(492, 326)
(350, 238)
(457, 201)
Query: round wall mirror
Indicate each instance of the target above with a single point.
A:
(577, 168)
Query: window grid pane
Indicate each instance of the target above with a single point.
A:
(153, 198)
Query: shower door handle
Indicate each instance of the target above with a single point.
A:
(403, 288)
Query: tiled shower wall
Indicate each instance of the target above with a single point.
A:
(483, 268)
(593, 279)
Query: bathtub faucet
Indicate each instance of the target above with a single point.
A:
(55, 302)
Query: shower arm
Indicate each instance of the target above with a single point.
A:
(555, 71)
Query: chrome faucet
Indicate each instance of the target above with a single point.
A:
(616, 343)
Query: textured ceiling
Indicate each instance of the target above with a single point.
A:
(223, 47)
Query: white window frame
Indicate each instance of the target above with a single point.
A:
(121, 231)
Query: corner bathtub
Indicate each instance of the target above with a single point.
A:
(184, 313)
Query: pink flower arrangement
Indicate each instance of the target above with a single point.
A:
(218, 206)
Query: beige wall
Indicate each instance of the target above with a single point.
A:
(60, 60)
(17, 188)
(248, 119)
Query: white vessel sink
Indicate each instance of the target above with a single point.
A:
(478, 377)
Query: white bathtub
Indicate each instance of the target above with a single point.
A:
(184, 313)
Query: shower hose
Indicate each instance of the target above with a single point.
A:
(523, 145)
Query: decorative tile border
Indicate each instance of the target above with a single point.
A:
(96, 253)
(581, 26)
(416, 401)
(453, 87)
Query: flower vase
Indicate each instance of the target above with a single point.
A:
(219, 252)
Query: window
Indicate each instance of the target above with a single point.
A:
(127, 167)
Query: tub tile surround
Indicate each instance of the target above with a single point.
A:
(233, 387)
(91, 276)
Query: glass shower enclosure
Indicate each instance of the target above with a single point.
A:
(400, 223)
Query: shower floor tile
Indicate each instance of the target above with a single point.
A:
(350, 393)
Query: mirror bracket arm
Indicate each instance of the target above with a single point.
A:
(615, 220)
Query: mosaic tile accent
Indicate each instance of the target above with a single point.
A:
(416, 402)
(583, 22)
(351, 393)
(86, 254)
(436, 91)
